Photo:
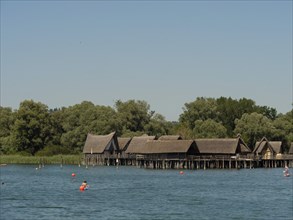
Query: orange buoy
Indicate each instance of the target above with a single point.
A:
(81, 188)
(73, 174)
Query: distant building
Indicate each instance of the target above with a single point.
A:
(169, 149)
(268, 149)
(137, 144)
(222, 146)
(100, 149)
(123, 145)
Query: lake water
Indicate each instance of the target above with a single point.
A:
(131, 193)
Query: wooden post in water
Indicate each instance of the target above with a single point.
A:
(43, 163)
(61, 161)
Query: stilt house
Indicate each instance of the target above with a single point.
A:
(136, 145)
(268, 149)
(101, 149)
(222, 147)
(168, 149)
(123, 145)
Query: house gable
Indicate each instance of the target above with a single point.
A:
(264, 146)
(137, 143)
(97, 144)
(222, 146)
(169, 147)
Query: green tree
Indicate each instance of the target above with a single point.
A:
(201, 109)
(7, 119)
(230, 109)
(209, 129)
(183, 130)
(84, 118)
(157, 126)
(31, 131)
(100, 120)
(284, 129)
(245, 106)
(133, 115)
(253, 127)
(56, 121)
(74, 136)
(269, 112)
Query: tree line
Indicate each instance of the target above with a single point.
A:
(34, 129)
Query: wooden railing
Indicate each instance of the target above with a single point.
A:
(192, 157)
(213, 157)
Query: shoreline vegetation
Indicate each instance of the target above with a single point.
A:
(35, 129)
(56, 159)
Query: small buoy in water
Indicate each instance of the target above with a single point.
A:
(181, 172)
(81, 188)
(37, 168)
(73, 174)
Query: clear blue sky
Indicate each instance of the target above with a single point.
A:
(166, 53)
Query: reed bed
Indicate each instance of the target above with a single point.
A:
(56, 159)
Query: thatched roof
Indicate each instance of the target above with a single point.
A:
(222, 146)
(170, 137)
(259, 146)
(274, 146)
(167, 146)
(123, 143)
(277, 146)
(99, 143)
(291, 149)
(137, 143)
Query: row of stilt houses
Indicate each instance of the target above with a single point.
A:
(172, 152)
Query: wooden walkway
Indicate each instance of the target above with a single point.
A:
(193, 162)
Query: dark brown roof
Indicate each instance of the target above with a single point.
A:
(123, 143)
(138, 143)
(274, 146)
(259, 146)
(277, 146)
(170, 137)
(222, 146)
(98, 143)
(167, 146)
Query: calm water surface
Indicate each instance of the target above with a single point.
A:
(131, 193)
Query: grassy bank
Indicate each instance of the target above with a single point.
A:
(56, 159)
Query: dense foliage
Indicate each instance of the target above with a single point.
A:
(33, 129)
